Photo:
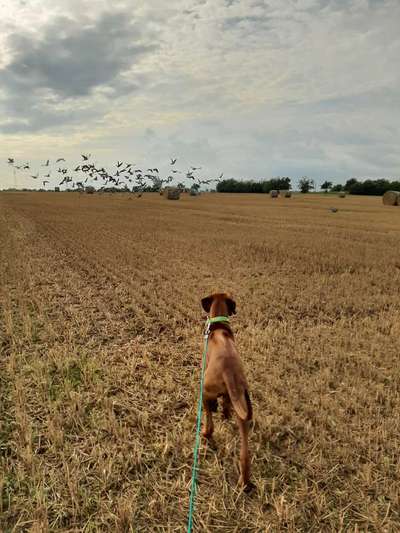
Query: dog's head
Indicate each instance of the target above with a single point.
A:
(219, 298)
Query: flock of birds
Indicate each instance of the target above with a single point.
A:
(125, 176)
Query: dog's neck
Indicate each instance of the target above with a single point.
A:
(219, 308)
(224, 326)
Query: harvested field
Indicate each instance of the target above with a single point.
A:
(101, 340)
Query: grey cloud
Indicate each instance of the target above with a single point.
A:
(231, 22)
(68, 61)
(39, 120)
(384, 97)
(346, 4)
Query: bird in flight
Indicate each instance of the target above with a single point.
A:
(85, 157)
(35, 177)
(60, 159)
(11, 160)
(173, 161)
(47, 163)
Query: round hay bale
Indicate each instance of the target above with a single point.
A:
(274, 194)
(342, 195)
(288, 194)
(391, 198)
(172, 193)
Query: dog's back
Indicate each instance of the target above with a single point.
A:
(225, 376)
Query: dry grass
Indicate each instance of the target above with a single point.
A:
(101, 346)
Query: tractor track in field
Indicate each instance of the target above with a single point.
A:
(78, 285)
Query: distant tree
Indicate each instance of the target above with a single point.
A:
(350, 183)
(253, 186)
(276, 184)
(225, 186)
(232, 185)
(181, 186)
(371, 187)
(326, 186)
(367, 187)
(195, 187)
(306, 184)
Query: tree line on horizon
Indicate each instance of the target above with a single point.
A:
(370, 187)
(252, 186)
(366, 187)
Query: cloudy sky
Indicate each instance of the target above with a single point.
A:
(251, 88)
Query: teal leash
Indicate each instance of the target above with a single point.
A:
(193, 487)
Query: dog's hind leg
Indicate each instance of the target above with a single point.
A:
(209, 406)
(244, 454)
(226, 407)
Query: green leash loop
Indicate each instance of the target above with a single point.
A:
(193, 486)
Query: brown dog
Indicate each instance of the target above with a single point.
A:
(225, 377)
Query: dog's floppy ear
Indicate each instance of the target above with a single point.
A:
(231, 306)
(206, 303)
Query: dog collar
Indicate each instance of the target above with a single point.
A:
(216, 319)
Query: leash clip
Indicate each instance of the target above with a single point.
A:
(207, 330)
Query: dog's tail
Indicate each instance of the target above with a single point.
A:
(239, 396)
